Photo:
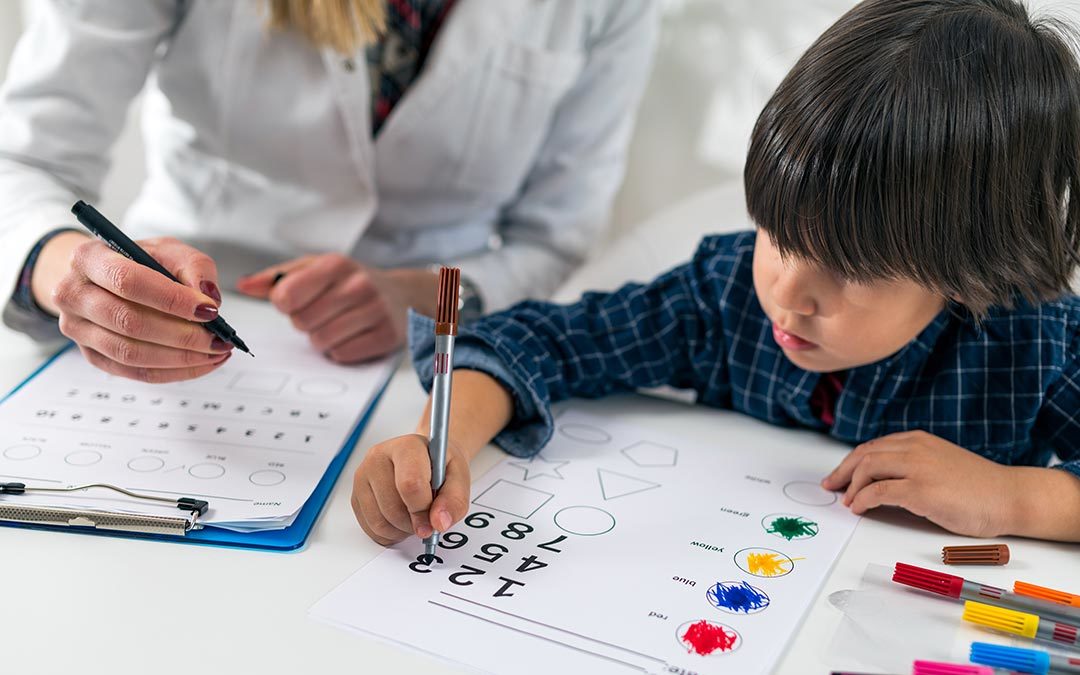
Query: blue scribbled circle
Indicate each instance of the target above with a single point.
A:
(737, 597)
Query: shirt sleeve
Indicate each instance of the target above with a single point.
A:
(22, 313)
(667, 332)
(73, 74)
(565, 201)
(1058, 424)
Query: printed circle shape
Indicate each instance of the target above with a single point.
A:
(83, 458)
(207, 470)
(584, 521)
(799, 527)
(809, 493)
(322, 386)
(267, 477)
(146, 464)
(585, 433)
(22, 452)
(737, 597)
(709, 638)
(764, 562)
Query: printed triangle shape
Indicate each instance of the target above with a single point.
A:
(614, 485)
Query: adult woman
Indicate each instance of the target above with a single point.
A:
(493, 137)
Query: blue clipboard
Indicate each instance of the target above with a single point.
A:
(291, 538)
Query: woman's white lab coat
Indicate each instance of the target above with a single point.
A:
(503, 157)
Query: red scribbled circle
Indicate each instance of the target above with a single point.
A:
(707, 638)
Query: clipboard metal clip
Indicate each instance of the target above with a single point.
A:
(105, 520)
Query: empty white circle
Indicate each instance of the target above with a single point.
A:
(809, 493)
(146, 464)
(20, 452)
(83, 458)
(207, 470)
(586, 521)
(585, 433)
(322, 386)
(267, 477)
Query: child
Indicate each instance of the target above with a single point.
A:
(915, 181)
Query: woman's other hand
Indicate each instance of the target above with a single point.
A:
(349, 311)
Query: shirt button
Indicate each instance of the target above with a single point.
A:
(349, 65)
(784, 397)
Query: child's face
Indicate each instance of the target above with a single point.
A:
(826, 324)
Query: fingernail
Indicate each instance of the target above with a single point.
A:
(206, 312)
(424, 531)
(211, 289)
(442, 520)
(219, 345)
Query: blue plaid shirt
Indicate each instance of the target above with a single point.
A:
(1008, 389)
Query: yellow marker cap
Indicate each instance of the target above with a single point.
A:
(1010, 621)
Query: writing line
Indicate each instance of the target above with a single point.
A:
(561, 630)
(541, 637)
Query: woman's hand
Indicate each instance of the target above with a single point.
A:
(131, 321)
(930, 477)
(350, 312)
(392, 490)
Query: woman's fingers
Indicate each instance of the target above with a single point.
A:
(191, 266)
(303, 285)
(346, 325)
(141, 285)
(150, 375)
(259, 284)
(131, 352)
(379, 341)
(352, 291)
(139, 323)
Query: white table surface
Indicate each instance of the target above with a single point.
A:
(85, 604)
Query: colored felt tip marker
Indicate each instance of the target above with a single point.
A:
(955, 587)
(940, 668)
(1047, 594)
(446, 327)
(1018, 660)
(1023, 624)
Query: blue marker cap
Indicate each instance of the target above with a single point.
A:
(1010, 658)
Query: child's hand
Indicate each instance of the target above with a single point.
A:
(392, 490)
(930, 477)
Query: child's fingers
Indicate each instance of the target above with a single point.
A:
(891, 492)
(412, 478)
(391, 508)
(452, 502)
(371, 521)
(876, 466)
(841, 475)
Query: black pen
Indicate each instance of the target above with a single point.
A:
(100, 226)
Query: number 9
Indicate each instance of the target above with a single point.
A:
(452, 540)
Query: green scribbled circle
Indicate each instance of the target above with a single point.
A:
(790, 526)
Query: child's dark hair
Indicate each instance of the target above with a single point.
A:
(933, 140)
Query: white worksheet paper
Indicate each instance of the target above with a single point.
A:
(253, 438)
(613, 551)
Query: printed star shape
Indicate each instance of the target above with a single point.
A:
(538, 467)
